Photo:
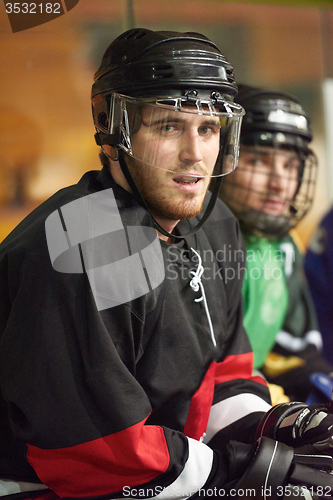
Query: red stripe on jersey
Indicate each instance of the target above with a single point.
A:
(103, 466)
(236, 366)
(201, 402)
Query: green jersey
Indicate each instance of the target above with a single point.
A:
(265, 295)
(279, 316)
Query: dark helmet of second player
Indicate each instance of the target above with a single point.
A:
(273, 118)
(274, 121)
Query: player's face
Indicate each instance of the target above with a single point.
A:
(184, 148)
(266, 179)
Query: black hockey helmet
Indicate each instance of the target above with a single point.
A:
(276, 121)
(184, 72)
(273, 118)
(160, 65)
(141, 62)
(145, 63)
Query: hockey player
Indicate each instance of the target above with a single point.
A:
(270, 192)
(125, 370)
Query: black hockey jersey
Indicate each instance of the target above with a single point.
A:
(126, 398)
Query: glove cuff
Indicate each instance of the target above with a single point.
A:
(269, 469)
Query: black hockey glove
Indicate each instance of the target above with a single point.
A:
(276, 473)
(298, 424)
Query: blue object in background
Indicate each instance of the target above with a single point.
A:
(322, 388)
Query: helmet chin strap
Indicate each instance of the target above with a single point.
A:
(139, 198)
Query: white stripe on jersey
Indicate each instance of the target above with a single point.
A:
(194, 474)
(232, 409)
(9, 487)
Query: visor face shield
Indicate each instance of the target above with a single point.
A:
(172, 133)
(273, 187)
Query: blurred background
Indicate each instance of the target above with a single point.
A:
(46, 139)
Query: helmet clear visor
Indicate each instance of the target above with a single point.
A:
(272, 189)
(174, 133)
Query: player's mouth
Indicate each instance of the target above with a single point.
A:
(274, 206)
(188, 183)
(184, 179)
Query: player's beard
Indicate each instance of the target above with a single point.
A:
(187, 208)
(182, 206)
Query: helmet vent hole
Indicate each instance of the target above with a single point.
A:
(230, 76)
(136, 34)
